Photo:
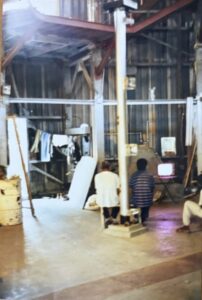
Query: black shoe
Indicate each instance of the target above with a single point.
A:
(108, 222)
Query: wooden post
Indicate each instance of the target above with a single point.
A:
(190, 163)
(24, 169)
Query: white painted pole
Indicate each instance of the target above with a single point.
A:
(98, 120)
(120, 27)
(198, 69)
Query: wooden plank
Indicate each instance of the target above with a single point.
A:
(141, 26)
(189, 164)
(24, 168)
(34, 168)
(87, 78)
(74, 76)
(18, 46)
(165, 12)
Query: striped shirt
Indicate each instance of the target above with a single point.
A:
(142, 185)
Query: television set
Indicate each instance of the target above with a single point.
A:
(166, 170)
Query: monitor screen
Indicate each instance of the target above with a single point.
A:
(166, 169)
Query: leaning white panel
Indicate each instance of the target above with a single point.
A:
(81, 180)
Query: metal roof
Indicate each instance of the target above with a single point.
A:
(28, 33)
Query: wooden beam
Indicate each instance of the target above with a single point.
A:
(75, 23)
(51, 38)
(160, 42)
(192, 151)
(39, 52)
(165, 12)
(87, 76)
(75, 75)
(34, 168)
(19, 45)
(99, 69)
(141, 26)
(23, 167)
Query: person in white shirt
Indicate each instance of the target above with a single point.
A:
(107, 185)
(190, 209)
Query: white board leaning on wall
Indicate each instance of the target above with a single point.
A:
(81, 180)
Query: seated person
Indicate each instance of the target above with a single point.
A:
(107, 185)
(190, 209)
(142, 187)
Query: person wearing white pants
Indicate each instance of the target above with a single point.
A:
(190, 209)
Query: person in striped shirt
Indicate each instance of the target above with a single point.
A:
(142, 185)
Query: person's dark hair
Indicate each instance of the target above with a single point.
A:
(141, 164)
(105, 165)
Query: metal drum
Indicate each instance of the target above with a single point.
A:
(10, 202)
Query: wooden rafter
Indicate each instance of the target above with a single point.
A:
(19, 45)
(45, 50)
(141, 26)
(99, 69)
(165, 12)
(75, 75)
(160, 42)
(87, 77)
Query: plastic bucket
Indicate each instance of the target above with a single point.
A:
(10, 202)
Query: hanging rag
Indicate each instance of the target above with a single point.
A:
(46, 149)
(60, 140)
(35, 146)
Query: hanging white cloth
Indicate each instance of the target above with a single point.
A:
(35, 146)
(46, 148)
(60, 140)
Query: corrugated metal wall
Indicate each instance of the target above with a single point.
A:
(41, 80)
(88, 10)
(161, 58)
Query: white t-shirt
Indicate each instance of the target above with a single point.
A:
(106, 184)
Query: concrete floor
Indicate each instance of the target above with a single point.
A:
(64, 254)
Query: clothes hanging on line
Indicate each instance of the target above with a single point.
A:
(47, 141)
(35, 146)
(60, 140)
(46, 147)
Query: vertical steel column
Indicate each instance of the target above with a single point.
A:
(98, 120)
(120, 27)
(1, 45)
(3, 113)
(198, 70)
